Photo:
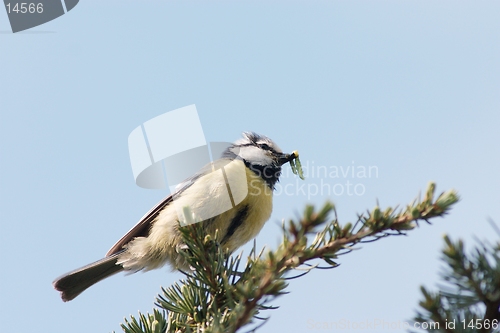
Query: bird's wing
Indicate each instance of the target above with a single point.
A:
(142, 227)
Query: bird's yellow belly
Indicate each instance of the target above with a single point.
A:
(258, 204)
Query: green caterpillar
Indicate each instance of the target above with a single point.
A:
(296, 166)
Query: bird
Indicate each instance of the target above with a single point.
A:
(232, 197)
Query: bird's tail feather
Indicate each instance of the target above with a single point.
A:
(75, 282)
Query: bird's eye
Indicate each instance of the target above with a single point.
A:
(264, 146)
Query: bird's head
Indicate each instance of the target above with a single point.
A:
(261, 154)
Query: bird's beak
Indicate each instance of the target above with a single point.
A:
(285, 158)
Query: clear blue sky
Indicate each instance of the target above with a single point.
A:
(410, 87)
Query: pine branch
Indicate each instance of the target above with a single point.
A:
(471, 297)
(216, 297)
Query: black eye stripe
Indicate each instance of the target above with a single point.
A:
(269, 148)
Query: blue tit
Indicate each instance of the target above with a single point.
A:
(231, 197)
